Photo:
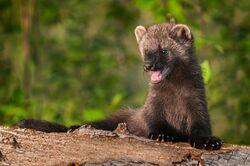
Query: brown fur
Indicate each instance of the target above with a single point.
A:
(175, 108)
(178, 103)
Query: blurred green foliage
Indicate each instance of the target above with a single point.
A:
(77, 61)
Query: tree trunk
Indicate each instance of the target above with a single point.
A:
(88, 146)
(26, 12)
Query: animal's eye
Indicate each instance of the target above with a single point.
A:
(164, 52)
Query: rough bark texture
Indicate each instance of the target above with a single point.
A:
(88, 146)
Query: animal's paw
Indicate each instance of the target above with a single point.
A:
(207, 143)
(161, 137)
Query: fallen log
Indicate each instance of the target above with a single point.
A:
(87, 146)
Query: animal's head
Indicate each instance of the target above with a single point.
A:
(162, 46)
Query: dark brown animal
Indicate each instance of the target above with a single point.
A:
(175, 108)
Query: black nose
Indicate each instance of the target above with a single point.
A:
(148, 66)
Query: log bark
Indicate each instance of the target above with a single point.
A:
(88, 146)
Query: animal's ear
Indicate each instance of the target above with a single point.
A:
(140, 31)
(181, 33)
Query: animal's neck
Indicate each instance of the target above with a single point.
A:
(184, 82)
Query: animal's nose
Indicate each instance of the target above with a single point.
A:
(148, 66)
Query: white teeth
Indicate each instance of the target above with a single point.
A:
(159, 78)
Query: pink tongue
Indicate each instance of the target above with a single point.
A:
(156, 75)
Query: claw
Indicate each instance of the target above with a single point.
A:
(193, 144)
(163, 138)
(159, 137)
(151, 135)
(212, 146)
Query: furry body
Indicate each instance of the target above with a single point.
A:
(175, 108)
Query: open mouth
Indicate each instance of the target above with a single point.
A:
(158, 76)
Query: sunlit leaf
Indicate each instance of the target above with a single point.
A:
(176, 10)
(93, 115)
(116, 101)
(206, 71)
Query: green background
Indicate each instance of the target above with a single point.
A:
(74, 61)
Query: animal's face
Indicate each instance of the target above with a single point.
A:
(161, 46)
